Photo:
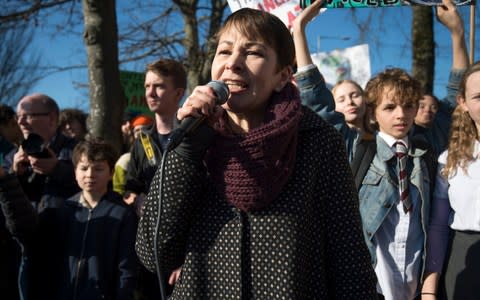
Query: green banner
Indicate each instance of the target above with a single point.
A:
(383, 3)
(133, 87)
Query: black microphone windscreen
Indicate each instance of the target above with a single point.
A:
(221, 91)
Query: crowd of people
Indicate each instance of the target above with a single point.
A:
(288, 190)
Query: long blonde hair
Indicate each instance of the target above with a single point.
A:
(463, 132)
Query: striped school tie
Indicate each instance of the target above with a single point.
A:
(402, 157)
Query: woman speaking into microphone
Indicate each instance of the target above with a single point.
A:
(259, 201)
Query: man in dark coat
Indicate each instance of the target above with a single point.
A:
(45, 168)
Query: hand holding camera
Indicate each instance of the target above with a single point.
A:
(34, 145)
(34, 153)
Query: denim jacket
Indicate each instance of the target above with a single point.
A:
(315, 95)
(379, 192)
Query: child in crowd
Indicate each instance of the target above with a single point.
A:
(456, 201)
(346, 111)
(434, 116)
(138, 124)
(395, 192)
(349, 101)
(86, 249)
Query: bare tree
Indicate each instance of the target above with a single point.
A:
(423, 47)
(181, 29)
(107, 100)
(20, 72)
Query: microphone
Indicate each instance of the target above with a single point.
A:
(190, 124)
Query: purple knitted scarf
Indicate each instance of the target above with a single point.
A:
(251, 169)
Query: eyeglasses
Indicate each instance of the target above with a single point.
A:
(32, 116)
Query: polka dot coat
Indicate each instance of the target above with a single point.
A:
(307, 244)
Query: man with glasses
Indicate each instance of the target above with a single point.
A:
(48, 178)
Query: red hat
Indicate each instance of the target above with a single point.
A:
(142, 120)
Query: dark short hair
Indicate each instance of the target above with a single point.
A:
(95, 149)
(171, 68)
(262, 26)
(6, 114)
(68, 114)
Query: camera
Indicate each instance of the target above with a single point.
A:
(305, 3)
(34, 146)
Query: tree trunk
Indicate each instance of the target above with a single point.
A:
(199, 58)
(107, 100)
(423, 47)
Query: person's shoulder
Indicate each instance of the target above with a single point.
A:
(123, 160)
(5, 146)
(73, 201)
(114, 198)
(313, 122)
(442, 158)
(66, 141)
(317, 131)
(420, 142)
(114, 201)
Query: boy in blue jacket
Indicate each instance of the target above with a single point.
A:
(86, 249)
(395, 192)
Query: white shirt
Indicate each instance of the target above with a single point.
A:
(399, 245)
(463, 193)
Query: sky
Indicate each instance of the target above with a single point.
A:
(334, 29)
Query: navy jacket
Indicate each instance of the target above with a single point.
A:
(87, 253)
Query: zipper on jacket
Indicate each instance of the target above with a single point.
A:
(82, 253)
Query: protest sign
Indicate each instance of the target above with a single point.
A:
(134, 90)
(287, 10)
(350, 63)
(386, 3)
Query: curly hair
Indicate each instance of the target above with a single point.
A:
(463, 132)
(407, 90)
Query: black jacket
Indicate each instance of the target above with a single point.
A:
(17, 220)
(86, 253)
(140, 170)
(307, 244)
(54, 188)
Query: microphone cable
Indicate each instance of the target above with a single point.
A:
(160, 277)
(222, 92)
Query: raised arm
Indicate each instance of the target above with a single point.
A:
(314, 93)
(302, 53)
(449, 17)
(313, 90)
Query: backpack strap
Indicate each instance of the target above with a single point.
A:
(362, 158)
(147, 147)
